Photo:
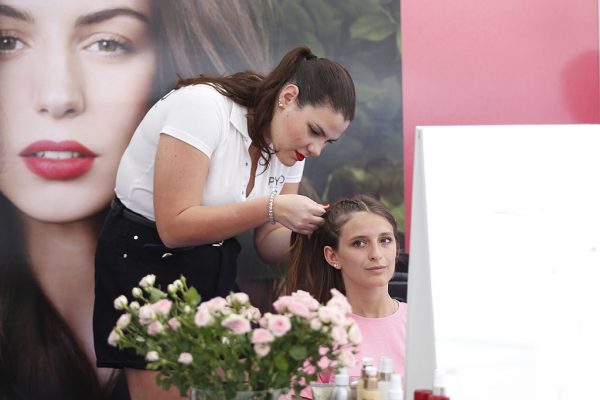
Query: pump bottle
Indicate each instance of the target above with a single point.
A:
(386, 367)
(366, 362)
(395, 391)
(341, 391)
(371, 389)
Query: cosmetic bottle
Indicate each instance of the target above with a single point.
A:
(353, 386)
(422, 394)
(371, 389)
(439, 386)
(341, 391)
(366, 362)
(395, 391)
(386, 367)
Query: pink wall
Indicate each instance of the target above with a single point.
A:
(471, 62)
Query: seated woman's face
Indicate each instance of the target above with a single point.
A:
(76, 78)
(366, 252)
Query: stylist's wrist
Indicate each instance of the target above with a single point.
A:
(270, 207)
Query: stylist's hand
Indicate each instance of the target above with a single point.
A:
(298, 213)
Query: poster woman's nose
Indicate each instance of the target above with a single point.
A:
(60, 87)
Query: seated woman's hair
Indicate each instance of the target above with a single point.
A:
(308, 269)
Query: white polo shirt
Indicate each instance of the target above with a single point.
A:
(215, 125)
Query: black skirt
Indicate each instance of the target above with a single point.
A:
(130, 248)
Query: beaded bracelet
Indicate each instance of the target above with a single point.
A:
(271, 199)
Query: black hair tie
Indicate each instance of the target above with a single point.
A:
(310, 57)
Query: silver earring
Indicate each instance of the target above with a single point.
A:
(280, 104)
(336, 265)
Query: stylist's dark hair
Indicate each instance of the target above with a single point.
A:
(308, 269)
(321, 82)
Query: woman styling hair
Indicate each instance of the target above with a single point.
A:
(215, 157)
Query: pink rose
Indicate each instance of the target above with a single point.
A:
(279, 325)
(123, 321)
(324, 314)
(173, 323)
(261, 335)
(241, 298)
(146, 314)
(308, 368)
(162, 307)
(215, 304)
(252, 313)
(185, 358)
(147, 281)
(324, 363)
(315, 324)
(280, 305)
(347, 358)
(264, 321)
(339, 335)
(237, 324)
(155, 328)
(262, 349)
(354, 334)
(113, 338)
(337, 317)
(306, 299)
(299, 309)
(152, 356)
(340, 303)
(203, 317)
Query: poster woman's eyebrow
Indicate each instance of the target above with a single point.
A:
(104, 15)
(12, 12)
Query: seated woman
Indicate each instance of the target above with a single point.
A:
(355, 251)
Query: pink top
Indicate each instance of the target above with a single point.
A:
(381, 337)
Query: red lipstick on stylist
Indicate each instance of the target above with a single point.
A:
(64, 160)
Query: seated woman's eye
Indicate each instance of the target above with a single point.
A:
(387, 239)
(358, 243)
(113, 46)
(10, 43)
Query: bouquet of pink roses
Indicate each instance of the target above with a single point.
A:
(225, 345)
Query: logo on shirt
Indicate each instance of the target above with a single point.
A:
(276, 181)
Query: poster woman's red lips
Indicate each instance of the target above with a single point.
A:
(64, 160)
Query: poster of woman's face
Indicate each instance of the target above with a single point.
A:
(77, 76)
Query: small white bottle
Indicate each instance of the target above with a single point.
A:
(341, 391)
(395, 391)
(386, 367)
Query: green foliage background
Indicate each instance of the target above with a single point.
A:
(363, 36)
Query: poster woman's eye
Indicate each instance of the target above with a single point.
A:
(111, 46)
(10, 43)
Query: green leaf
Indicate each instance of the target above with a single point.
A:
(374, 27)
(192, 297)
(298, 353)
(156, 294)
(281, 363)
